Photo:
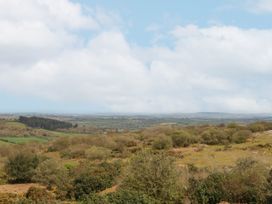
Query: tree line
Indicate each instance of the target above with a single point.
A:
(45, 123)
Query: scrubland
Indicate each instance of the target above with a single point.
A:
(159, 164)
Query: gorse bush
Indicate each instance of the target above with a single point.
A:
(92, 179)
(20, 168)
(125, 197)
(210, 190)
(182, 139)
(154, 175)
(214, 136)
(247, 182)
(51, 174)
(241, 136)
(162, 142)
(40, 196)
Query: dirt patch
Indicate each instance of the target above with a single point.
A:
(109, 190)
(17, 188)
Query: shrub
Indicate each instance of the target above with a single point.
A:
(93, 179)
(94, 198)
(214, 137)
(99, 153)
(241, 136)
(181, 139)
(248, 182)
(125, 197)
(40, 195)
(51, 174)
(163, 142)
(210, 190)
(256, 127)
(154, 175)
(20, 168)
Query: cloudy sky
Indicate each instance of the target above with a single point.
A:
(119, 56)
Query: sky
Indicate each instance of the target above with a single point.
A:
(117, 56)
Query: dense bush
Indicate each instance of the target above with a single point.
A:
(40, 195)
(51, 174)
(94, 198)
(182, 139)
(247, 182)
(214, 136)
(119, 197)
(20, 168)
(241, 136)
(154, 175)
(256, 127)
(125, 197)
(210, 190)
(163, 142)
(93, 179)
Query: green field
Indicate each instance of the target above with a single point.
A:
(22, 140)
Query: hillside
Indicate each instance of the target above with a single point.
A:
(103, 164)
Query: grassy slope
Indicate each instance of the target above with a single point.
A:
(18, 133)
(213, 157)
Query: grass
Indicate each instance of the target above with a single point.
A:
(22, 140)
(217, 156)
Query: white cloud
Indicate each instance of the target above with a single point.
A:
(43, 54)
(260, 6)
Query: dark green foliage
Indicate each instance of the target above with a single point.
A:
(94, 198)
(247, 182)
(45, 123)
(210, 190)
(182, 139)
(125, 197)
(20, 168)
(95, 178)
(155, 175)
